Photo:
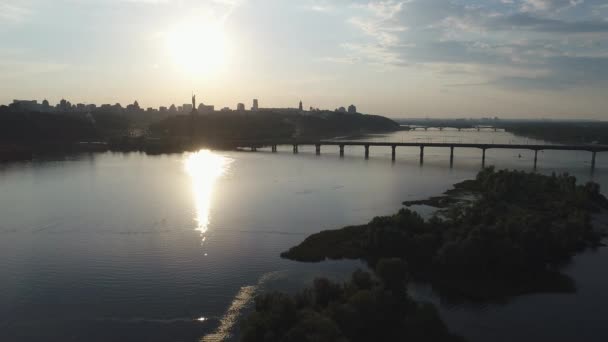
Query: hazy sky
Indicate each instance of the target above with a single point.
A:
(416, 58)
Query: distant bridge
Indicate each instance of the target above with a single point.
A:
(255, 144)
(458, 128)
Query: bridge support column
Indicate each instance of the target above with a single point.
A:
(421, 154)
(253, 149)
(341, 150)
(451, 156)
(366, 151)
(318, 149)
(295, 149)
(593, 160)
(394, 154)
(274, 148)
(483, 158)
(535, 158)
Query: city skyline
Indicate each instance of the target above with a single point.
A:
(465, 58)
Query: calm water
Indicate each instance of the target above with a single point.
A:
(172, 248)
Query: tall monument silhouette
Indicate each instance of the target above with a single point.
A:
(193, 103)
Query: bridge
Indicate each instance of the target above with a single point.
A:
(460, 128)
(255, 144)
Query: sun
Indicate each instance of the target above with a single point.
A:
(198, 47)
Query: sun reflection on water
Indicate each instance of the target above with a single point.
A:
(204, 168)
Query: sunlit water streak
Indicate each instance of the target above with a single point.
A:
(242, 299)
(204, 168)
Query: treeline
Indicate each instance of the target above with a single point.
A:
(34, 128)
(223, 127)
(216, 128)
(510, 239)
(366, 308)
(584, 132)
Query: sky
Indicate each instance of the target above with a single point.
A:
(411, 58)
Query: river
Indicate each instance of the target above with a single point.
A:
(128, 246)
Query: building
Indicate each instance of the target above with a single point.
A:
(301, 107)
(163, 109)
(352, 109)
(240, 107)
(226, 109)
(341, 110)
(46, 107)
(134, 108)
(187, 108)
(255, 105)
(202, 108)
(25, 105)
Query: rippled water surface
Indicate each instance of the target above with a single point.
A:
(172, 248)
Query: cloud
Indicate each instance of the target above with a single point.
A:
(13, 11)
(524, 21)
(548, 5)
(485, 41)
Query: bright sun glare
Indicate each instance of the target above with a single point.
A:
(198, 47)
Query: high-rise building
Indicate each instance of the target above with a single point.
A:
(352, 109)
(240, 107)
(341, 110)
(301, 107)
(187, 108)
(255, 105)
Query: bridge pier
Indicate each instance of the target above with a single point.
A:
(483, 158)
(274, 148)
(318, 149)
(535, 158)
(394, 154)
(451, 156)
(341, 150)
(593, 160)
(366, 151)
(295, 149)
(253, 149)
(421, 154)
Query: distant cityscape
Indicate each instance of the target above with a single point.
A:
(65, 106)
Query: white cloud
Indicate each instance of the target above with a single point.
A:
(548, 5)
(13, 11)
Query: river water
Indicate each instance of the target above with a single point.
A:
(115, 246)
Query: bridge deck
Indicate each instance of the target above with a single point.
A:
(534, 147)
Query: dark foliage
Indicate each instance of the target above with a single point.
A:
(562, 132)
(363, 309)
(519, 224)
(222, 127)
